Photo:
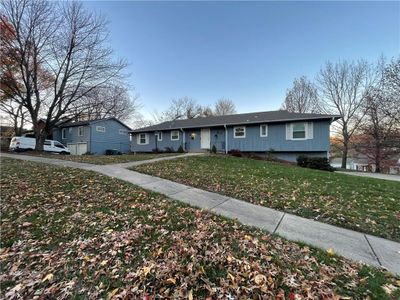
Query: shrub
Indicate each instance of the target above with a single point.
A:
(319, 163)
(214, 149)
(168, 150)
(269, 154)
(180, 149)
(235, 152)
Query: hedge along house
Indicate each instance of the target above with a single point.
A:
(285, 135)
(94, 136)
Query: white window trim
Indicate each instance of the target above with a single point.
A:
(177, 139)
(79, 131)
(63, 133)
(305, 131)
(100, 128)
(239, 137)
(146, 138)
(159, 136)
(266, 130)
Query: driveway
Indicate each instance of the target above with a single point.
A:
(372, 175)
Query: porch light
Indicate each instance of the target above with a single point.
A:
(192, 135)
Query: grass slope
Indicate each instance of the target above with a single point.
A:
(363, 204)
(74, 234)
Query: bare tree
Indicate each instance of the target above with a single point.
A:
(224, 107)
(343, 88)
(16, 114)
(61, 54)
(181, 108)
(302, 97)
(380, 132)
(207, 111)
(111, 100)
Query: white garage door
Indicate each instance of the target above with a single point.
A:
(78, 148)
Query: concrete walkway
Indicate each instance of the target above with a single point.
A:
(354, 245)
(372, 175)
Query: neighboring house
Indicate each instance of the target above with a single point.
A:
(94, 136)
(359, 162)
(356, 164)
(286, 135)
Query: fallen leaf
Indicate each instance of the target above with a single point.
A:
(48, 277)
(330, 252)
(260, 279)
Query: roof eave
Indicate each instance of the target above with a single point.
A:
(147, 129)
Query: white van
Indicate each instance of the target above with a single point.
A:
(22, 143)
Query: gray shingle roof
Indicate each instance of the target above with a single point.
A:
(237, 119)
(87, 122)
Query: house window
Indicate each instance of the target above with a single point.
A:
(175, 135)
(143, 139)
(239, 132)
(264, 130)
(298, 131)
(100, 129)
(159, 136)
(80, 131)
(64, 133)
(122, 131)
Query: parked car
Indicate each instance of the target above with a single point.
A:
(22, 143)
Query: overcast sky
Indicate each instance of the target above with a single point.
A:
(249, 52)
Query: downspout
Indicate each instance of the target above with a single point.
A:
(226, 139)
(90, 139)
(183, 140)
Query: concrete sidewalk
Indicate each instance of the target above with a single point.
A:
(354, 245)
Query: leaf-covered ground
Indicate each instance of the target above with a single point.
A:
(73, 234)
(104, 159)
(363, 204)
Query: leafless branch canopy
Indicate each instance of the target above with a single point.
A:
(61, 57)
(302, 97)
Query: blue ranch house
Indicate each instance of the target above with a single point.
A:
(94, 136)
(285, 135)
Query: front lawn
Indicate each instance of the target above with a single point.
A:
(73, 234)
(104, 159)
(363, 204)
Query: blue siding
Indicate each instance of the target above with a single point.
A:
(193, 144)
(97, 142)
(153, 144)
(71, 135)
(276, 139)
(110, 139)
(253, 142)
(217, 138)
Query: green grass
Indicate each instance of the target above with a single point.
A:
(68, 233)
(363, 204)
(105, 159)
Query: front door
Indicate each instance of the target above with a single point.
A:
(205, 138)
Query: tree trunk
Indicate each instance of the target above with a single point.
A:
(40, 136)
(344, 155)
(378, 159)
